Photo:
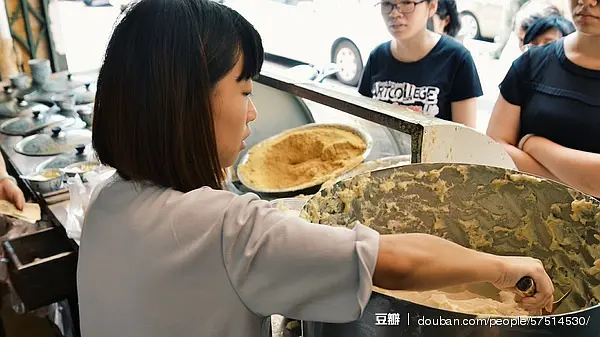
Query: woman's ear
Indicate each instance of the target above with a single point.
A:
(433, 5)
(446, 21)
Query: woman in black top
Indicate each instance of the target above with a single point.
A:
(548, 111)
(419, 69)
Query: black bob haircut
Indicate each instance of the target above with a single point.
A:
(153, 119)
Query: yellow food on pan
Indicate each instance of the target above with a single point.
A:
(301, 159)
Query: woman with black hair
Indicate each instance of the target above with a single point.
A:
(446, 20)
(547, 29)
(424, 71)
(165, 251)
(547, 115)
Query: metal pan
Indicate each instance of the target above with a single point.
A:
(489, 209)
(372, 165)
(305, 189)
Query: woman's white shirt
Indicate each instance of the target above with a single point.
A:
(158, 262)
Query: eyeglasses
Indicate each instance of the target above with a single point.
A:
(403, 6)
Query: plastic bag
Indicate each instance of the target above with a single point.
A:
(75, 212)
(80, 194)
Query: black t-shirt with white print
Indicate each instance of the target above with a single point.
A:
(446, 75)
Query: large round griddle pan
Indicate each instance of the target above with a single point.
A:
(485, 208)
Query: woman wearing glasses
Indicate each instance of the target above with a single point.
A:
(420, 69)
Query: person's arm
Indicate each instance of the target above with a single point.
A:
(466, 87)
(465, 112)
(505, 121)
(9, 190)
(285, 265)
(422, 262)
(365, 85)
(575, 168)
(504, 128)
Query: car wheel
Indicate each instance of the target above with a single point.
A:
(469, 26)
(347, 56)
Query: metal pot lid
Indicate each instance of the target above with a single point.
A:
(53, 144)
(13, 108)
(81, 90)
(40, 96)
(70, 123)
(62, 84)
(40, 118)
(82, 153)
(21, 93)
(9, 109)
(85, 109)
(8, 94)
(86, 113)
(84, 95)
(18, 106)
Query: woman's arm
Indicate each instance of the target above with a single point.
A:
(504, 128)
(466, 87)
(504, 123)
(465, 112)
(575, 168)
(285, 265)
(364, 85)
(424, 262)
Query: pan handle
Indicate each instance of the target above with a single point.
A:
(526, 286)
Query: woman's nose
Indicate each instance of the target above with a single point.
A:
(395, 12)
(251, 111)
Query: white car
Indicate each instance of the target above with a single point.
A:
(481, 19)
(318, 32)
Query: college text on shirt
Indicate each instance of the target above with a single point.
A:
(408, 95)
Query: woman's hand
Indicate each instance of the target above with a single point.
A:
(11, 192)
(516, 268)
